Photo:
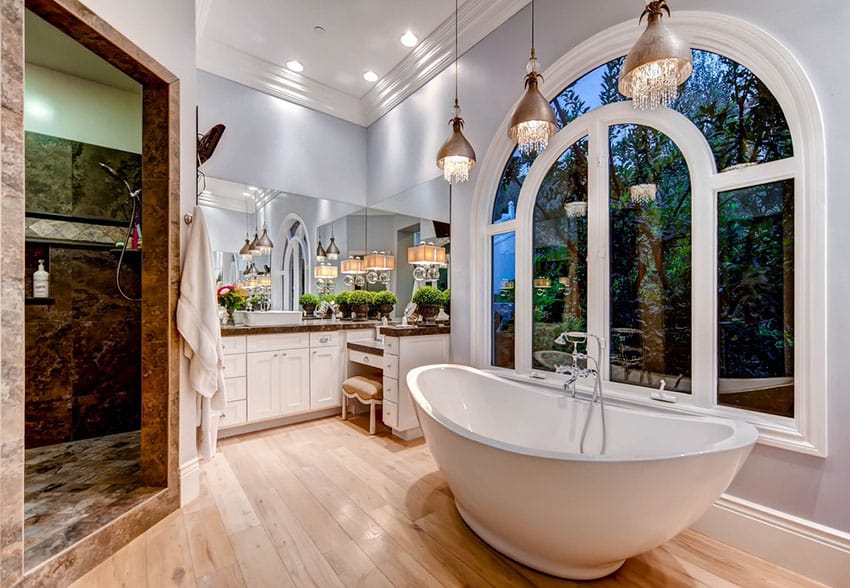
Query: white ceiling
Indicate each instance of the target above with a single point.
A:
(250, 42)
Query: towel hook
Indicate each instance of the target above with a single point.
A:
(187, 218)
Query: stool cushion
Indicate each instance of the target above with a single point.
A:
(365, 388)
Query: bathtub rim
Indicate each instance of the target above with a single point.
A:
(744, 435)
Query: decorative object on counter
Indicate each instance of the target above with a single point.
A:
(428, 301)
(325, 275)
(456, 157)
(327, 306)
(428, 259)
(41, 282)
(378, 266)
(447, 299)
(657, 64)
(308, 303)
(343, 304)
(232, 298)
(533, 120)
(360, 300)
(384, 301)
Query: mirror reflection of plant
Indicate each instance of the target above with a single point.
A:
(232, 298)
(428, 295)
(385, 297)
(309, 299)
(360, 297)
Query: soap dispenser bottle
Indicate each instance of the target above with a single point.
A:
(41, 282)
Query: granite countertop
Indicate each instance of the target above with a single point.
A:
(367, 346)
(411, 331)
(305, 327)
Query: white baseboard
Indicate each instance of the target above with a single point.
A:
(802, 546)
(190, 481)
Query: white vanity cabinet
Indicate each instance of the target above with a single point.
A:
(277, 378)
(402, 354)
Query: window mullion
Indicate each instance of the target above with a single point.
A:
(703, 288)
(597, 238)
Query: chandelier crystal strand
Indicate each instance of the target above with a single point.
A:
(655, 84)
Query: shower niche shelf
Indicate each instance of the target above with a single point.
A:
(39, 301)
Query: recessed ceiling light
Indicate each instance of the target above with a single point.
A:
(408, 39)
(295, 65)
(370, 76)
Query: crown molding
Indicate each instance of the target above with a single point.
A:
(476, 20)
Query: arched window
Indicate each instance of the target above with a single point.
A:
(686, 238)
(295, 277)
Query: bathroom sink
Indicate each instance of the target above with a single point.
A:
(271, 318)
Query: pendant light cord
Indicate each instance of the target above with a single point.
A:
(457, 104)
(533, 52)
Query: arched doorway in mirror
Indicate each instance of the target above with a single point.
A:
(295, 274)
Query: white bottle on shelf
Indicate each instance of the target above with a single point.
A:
(41, 282)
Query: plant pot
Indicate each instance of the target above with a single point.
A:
(428, 312)
(361, 311)
(309, 309)
(230, 321)
(344, 311)
(385, 310)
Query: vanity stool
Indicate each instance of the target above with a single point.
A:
(365, 390)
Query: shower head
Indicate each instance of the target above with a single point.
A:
(111, 171)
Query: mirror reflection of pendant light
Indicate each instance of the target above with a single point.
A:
(332, 251)
(252, 247)
(576, 209)
(533, 121)
(456, 157)
(321, 254)
(643, 193)
(657, 64)
(264, 244)
(245, 252)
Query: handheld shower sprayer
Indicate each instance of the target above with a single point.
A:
(134, 194)
(135, 198)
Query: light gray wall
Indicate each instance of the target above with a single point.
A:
(288, 147)
(403, 143)
(171, 41)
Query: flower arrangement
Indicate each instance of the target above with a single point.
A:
(232, 298)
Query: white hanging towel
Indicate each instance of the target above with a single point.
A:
(198, 323)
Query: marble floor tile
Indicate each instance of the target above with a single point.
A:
(72, 489)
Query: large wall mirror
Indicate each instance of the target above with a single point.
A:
(314, 239)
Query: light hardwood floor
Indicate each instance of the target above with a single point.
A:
(322, 504)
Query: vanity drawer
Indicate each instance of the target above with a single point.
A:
(391, 345)
(391, 389)
(391, 366)
(390, 414)
(370, 359)
(232, 345)
(235, 389)
(235, 413)
(278, 341)
(327, 339)
(234, 366)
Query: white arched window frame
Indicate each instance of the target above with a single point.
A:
(783, 75)
(295, 262)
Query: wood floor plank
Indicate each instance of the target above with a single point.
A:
(235, 508)
(168, 559)
(229, 577)
(208, 543)
(258, 559)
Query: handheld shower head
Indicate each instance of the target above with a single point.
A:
(134, 194)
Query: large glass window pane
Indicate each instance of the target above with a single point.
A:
(755, 289)
(503, 299)
(650, 260)
(560, 256)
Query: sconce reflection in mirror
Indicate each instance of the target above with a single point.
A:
(325, 275)
(354, 270)
(428, 259)
(378, 266)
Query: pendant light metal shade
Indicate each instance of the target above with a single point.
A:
(533, 121)
(657, 64)
(252, 247)
(264, 244)
(321, 254)
(333, 251)
(456, 157)
(245, 252)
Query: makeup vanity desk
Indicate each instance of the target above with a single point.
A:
(402, 349)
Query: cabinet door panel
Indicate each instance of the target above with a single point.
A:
(324, 378)
(294, 382)
(263, 397)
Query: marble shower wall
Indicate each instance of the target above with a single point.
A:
(83, 352)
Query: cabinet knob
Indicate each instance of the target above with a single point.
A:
(275, 355)
(324, 339)
(365, 359)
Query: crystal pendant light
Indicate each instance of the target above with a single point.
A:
(333, 250)
(643, 193)
(321, 254)
(456, 157)
(264, 244)
(533, 121)
(252, 247)
(245, 252)
(657, 64)
(576, 209)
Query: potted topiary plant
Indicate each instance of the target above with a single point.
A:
(385, 300)
(428, 301)
(360, 301)
(309, 302)
(447, 298)
(343, 302)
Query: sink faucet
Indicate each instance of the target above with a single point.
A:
(574, 372)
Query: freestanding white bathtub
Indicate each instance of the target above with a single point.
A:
(510, 454)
